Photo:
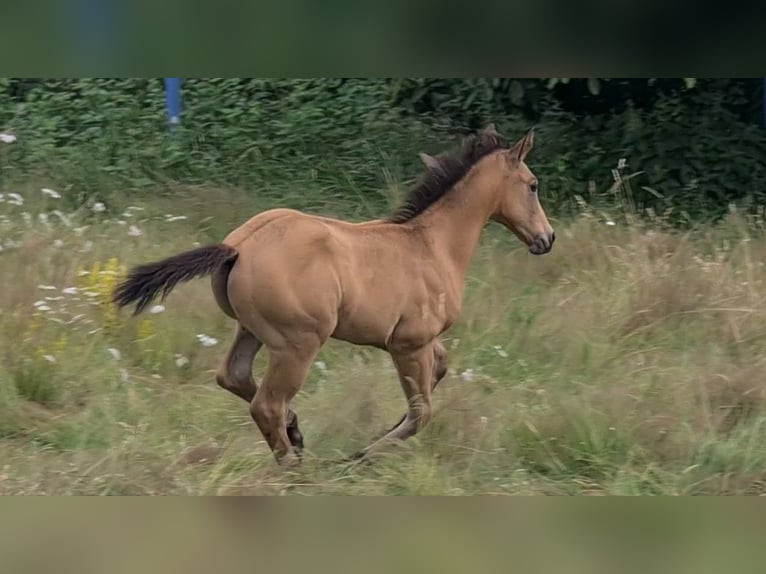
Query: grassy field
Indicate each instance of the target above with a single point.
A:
(627, 361)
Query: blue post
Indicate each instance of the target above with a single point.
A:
(173, 100)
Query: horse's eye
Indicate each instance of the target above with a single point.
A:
(533, 187)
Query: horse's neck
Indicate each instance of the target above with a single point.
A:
(455, 224)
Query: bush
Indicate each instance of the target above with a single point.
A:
(692, 142)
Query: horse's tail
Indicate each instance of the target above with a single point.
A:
(145, 282)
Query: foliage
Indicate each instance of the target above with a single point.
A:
(694, 141)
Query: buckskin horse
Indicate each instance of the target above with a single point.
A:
(292, 280)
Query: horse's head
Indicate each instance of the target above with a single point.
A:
(518, 205)
(515, 202)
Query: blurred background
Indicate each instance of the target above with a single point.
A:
(692, 145)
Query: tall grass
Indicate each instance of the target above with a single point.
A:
(627, 361)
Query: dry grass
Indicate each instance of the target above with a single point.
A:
(625, 362)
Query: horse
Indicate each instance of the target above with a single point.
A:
(292, 280)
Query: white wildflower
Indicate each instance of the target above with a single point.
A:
(98, 207)
(609, 222)
(70, 290)
(181, 361)
(7, 138)
(467, 375)
(321, 366)
(43, 217)
(43, 307)
(116, 355)
(134, 231)
(121, 222)
(2, 197)
(58, 243)
(49, 358)
(157, 309)
(15, 199)
(51, 193)
(79, 230)
(207, 341)
(47, 287)
(500, 351)
(169, 218)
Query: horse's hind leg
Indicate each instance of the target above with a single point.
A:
(287, 370)
(236, 376)
(236, 371)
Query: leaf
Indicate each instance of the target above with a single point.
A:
(517, 92)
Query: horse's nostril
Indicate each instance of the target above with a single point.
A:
(553, 237)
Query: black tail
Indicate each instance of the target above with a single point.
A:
(145, 282)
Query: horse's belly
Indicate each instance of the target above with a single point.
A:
(362, 328)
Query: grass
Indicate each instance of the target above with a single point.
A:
(627, 361)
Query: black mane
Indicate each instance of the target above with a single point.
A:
(453, 166)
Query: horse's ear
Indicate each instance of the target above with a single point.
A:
(429, 161)
(521, 148)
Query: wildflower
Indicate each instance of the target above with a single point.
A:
(51, 193)
(206, 341)
(43, 217)
(7, 138)
(47, 287)
(116, 355)
(170, 218)
(181, 361)
(98, 207)
(58, 243)
(467, 375)
(134, 231)
(609, 222)
(15, 199)
(500, 351)
(49, 358)
(321, 366)
(157, 309)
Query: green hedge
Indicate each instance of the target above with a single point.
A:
(695, 142)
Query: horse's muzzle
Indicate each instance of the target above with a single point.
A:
(542, 243)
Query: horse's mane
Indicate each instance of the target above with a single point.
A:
(452, 166)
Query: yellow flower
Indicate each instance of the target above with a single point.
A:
(101, 282)
(146, 330)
